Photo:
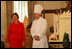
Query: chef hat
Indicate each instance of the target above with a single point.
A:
(38, 9)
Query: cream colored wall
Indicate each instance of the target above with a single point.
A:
(3, 20)
(52, 4)
(49, 17)
(64, 26)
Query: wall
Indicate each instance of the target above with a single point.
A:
(48, 5)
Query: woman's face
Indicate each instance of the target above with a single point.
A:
(36, 15)
(15, 17)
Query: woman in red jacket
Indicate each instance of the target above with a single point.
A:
(16, 33)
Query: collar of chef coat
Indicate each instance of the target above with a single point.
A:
(38, 19)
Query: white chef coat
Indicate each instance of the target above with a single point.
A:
(39, 27)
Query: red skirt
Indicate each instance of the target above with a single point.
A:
(15, 43)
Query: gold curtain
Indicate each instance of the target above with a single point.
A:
(31, 10)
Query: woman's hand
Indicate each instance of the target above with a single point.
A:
(8, 45)
(23, 44)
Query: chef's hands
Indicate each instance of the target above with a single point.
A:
(36, 37)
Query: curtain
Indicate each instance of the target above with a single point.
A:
(9, 8)
(21, 7)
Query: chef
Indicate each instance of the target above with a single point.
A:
(38, 29)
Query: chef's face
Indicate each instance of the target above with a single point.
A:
(15, 17)
(36, 15)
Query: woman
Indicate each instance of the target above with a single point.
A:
(16, 33)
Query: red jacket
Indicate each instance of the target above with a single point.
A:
(15, 34)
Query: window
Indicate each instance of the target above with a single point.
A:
(21, 7)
